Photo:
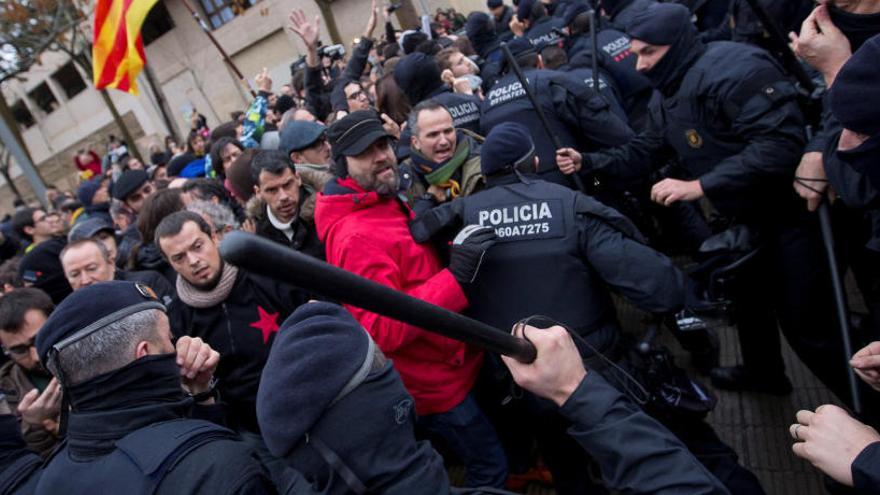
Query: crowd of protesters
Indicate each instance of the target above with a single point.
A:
(530, 166)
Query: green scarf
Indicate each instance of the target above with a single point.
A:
(441, 174)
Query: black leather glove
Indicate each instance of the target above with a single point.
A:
(468, 249)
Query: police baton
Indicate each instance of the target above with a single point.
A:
(839, 301)
(538, 110)
(780, 42)
(262, 256)
(594, 50)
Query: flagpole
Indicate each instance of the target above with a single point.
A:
(226, 58)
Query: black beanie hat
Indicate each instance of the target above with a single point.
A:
(506, 145)
(418, 76)
(320, 353)
(90, 309)
(855, 95)
(42, 268)
(659, 24)
(128, 182)
(178, 163)
(494, 3)
(524, 9)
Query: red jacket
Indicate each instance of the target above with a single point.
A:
(369, 235)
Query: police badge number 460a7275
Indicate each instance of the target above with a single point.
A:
(536, 219)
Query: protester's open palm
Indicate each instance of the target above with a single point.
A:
(307, 31)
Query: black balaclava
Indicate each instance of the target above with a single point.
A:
(668, 24)
(857, 28)
(480, 30)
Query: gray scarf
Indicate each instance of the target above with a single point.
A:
(198, 298)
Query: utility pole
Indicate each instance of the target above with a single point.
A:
(24, 162)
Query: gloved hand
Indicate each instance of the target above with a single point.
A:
(468, 249)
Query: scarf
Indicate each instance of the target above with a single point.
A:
(198, 298)
(857, 28)
(440, 174)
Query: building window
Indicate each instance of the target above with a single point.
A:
(157, 23)
(68, 78)
(219, 12)
(22, 115)
(43, 97)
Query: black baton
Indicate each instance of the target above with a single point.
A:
(538, 110)
(268, 258)
(839, 301)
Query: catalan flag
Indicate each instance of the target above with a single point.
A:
(117, 50)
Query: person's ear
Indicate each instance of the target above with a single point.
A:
(414, 143)
(28, 230)
(537, 163)
(540, 62)
(142, 349)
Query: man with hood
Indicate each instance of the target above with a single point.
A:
(481, 32)
(418, 76)
(94, 195)
(444, 160)
(534, 22)
(614, 57)
(501, 17)
(363, 223)
(738, 133)
(328, 369)
(621, 12)
(131, 393)
(578, 116)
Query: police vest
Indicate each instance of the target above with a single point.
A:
(138, 464)
(693, 122)
(616, 57)
(465, 109)
(21, 476)
(606, 89)
(507, 102)
(536, 267)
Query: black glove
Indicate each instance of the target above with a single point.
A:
(468, 249)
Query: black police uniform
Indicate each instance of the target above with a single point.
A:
(578, 116)
(574, 248)
(607, 87)
(465, 109)
(616, 58)
(19, 467)
(734, 123)
(544, 31)
(624, 10)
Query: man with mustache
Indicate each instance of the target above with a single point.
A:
(363, 220)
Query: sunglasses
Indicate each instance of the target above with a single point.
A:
(21, 349)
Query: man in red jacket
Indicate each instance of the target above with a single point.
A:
(365, 228)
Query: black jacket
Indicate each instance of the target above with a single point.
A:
(153, 280)
(305, 237)
(866, 470)
(579, 117)
(241, 329)
(733, 122)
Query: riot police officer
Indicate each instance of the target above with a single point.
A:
(574, 248)
(729, 114)
(110, 347)
(578, 116)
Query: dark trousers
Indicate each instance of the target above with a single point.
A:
(788, 288)
(470, 435)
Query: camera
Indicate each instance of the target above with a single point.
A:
(297, 65)
(333, 52)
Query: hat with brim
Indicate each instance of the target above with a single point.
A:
(353, 134)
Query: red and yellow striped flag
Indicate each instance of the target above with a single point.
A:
(117, 50)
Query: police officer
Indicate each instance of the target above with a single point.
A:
(131, 394)
(730, 116)
(621, 12)
(578, 116)
(418, 76)
(533, 21)
(576, 247)
(614, 56)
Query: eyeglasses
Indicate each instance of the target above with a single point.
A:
(21, 349)
(357, 95)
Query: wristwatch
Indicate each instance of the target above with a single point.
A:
(211, 392)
